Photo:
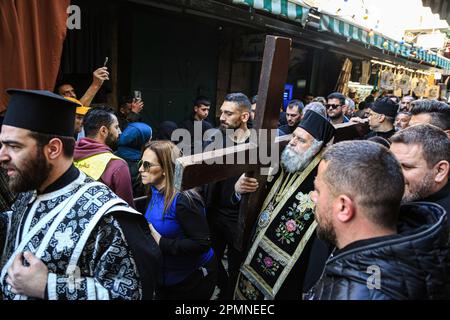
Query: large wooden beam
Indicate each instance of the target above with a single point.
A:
(214, 166)
(270, 98)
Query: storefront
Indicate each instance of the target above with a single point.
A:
(175, 50)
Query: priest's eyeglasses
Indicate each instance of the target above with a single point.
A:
(147, 165)
(333, 106)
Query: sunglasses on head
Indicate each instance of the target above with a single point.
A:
(147, 165)
(332, 106)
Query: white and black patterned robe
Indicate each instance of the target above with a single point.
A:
(94, 245)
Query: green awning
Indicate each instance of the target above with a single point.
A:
(298, 13)
(353, 32)
(284, 8)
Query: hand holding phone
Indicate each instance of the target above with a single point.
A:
(137, 95)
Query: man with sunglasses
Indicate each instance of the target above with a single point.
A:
(336, 107)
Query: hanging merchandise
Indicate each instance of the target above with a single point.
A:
(344, 77)
(405, 84)
(433, 92)
(402, 81)
(430, 79)
(387, 80)
(414, 83)
(365, 73)
(361, 91)
(421, 87)
(397, 83)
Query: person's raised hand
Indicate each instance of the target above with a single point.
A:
(100, 75)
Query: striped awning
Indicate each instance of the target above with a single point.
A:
(356, 33)
(284, 8)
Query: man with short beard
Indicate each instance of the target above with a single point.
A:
(6, 196)
(94, 154)
(6, 200)
(336, 108)
(285, 257)
(424, 152)
(68, 236)
(294, 112)
(222, 212)
(384, 251)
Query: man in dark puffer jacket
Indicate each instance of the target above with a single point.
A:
(383, 253)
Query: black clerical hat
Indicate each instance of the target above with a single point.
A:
(385, 106)
(317, 126)
(41, 111)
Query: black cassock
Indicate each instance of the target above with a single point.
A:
(285, 257)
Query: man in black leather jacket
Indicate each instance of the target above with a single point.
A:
(383, 252)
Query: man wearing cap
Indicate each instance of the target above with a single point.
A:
(285, 257)
(382, 115)
(69, 237)
(79, 116)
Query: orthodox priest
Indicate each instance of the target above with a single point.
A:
(285, 258)
(68, 237)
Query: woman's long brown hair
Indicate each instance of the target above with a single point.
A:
(167, 153)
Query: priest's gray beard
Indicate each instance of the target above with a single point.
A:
(292, 161)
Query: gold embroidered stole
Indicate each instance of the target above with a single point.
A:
(268, 263)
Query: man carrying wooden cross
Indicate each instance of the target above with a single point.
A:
(284, 236)
(203, 168)
(222, 211)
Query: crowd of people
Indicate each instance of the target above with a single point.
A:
(89, 208)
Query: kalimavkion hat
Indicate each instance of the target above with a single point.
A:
(41, 112)
(317, 126)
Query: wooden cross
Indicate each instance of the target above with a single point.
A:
(209, 167)
(193, 171)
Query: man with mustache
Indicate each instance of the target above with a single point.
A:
(6, 196)
(336, 108)
(384, 251)
(285, 258)
(6, 200)
(69, 237)
(294, 112)
(94, 154)
(423, 151)
(222, 212)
